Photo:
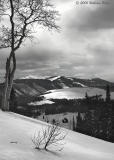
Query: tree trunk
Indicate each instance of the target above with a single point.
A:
(8, 81)
(5, 104)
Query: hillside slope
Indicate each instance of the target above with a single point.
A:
(15, 142)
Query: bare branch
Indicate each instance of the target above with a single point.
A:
(24, 14)
(51, 135)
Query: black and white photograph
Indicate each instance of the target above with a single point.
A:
(56, 79)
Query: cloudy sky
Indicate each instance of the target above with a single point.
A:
(83, 48)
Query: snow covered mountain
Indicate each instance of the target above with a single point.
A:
(61, 82)
(16, 144)
(65, 82)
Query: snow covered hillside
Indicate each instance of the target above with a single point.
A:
(15, 142)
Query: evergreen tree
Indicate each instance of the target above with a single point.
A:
(107, 93)
(91, 123)
(73, 125)
(86, 95)
(106, 120)
(86, 98)
(79, 126)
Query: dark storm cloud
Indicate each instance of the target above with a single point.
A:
(39, 59)
(102, 55)
(92, 19)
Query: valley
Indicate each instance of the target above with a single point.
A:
(72, 102)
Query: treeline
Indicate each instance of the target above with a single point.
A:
(98, 122)
(99, 118)
(59, 106)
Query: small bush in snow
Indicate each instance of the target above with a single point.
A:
(50, 135)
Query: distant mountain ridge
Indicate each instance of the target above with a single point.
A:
(28, 88)
(36, 86)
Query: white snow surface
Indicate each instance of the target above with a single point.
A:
(15, 142)
(80, 84)
(45, 101)
(30, 77)
(33, 77)
(54, 78)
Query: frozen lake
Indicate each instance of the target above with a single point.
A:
(72, 93)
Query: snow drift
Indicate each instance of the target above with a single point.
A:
(15, 142)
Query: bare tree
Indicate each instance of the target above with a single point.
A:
(50, 135)
(18, 17)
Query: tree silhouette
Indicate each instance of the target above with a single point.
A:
(107, 93)
(79, 126)
(18, 17)
(73, 124)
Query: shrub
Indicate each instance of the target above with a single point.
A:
(50, 135)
